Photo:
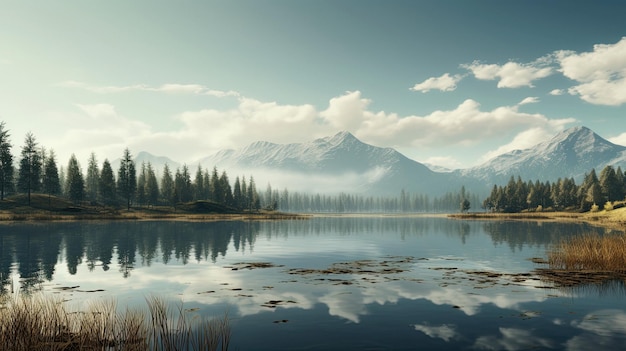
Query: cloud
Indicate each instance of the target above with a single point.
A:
(513, 339)
(103, 129)
(171, 88)
(445, 332)
(619, 140)
(557, 92)
(444, 83)
(601, 73)
(464, 125)
(511, 74)
(529, 100)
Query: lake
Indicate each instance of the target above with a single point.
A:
(330, 283)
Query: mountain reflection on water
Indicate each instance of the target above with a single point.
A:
(416, 278)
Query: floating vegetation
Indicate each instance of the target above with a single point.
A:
(275, 303)
(45, 323)
(251, 265)
(392, 265)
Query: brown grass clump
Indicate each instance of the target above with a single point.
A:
(590, 252)
(44, 323)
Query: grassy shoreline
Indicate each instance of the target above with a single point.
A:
(614, 219)
(45, 208)
(47, 323)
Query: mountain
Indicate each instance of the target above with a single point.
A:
(331, 164)
(343, 163)
(571, 153)
(157, 162)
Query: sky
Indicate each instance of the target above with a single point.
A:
(450, 83)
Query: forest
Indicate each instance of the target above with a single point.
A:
(37, 171)
(593, 194)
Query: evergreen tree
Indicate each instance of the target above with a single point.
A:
(6, 162)
(51, 183)
(253, 196)
(198, 185)
(465, 205)
(179, 184)
(92, 180)
(226, 189)
(187, 188)
(30, 167)
(152, 186)
(206, 179)
(237, 198)
(611, 188)
(62, 178)
(106, 185)
(167, 185)
(217, 190)
(127, 178)
(141, 185)
(245, 202)
(75, 183)
(587, 197)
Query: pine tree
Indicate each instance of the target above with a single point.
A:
(217, 191)
(30, 167)
(186, 194)
(51, 183)
(226, 189)
(207, 185)
(141, 185)
(127, 178)
(92, 180)
(611, 189)
(6, 162)
(253, 196)
(152, 186)
(75, 183)
(198, 185)
(237, 198)
(167, 185)
(106, 185)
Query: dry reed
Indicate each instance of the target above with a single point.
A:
(590, 252)
(45, 323)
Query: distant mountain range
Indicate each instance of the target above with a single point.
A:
(344, 163)
(571, 153)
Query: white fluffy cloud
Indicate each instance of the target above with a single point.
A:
(557, 92)
(445, 82)
(601, 73)
(203, 132)
(511, 74)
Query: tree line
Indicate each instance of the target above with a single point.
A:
(405, 202)
(137, 185)
(594, 193)
(37, 172)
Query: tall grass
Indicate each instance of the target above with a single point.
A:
(590, 252)
(45, 323)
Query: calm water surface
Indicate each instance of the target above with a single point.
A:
(379, 283)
